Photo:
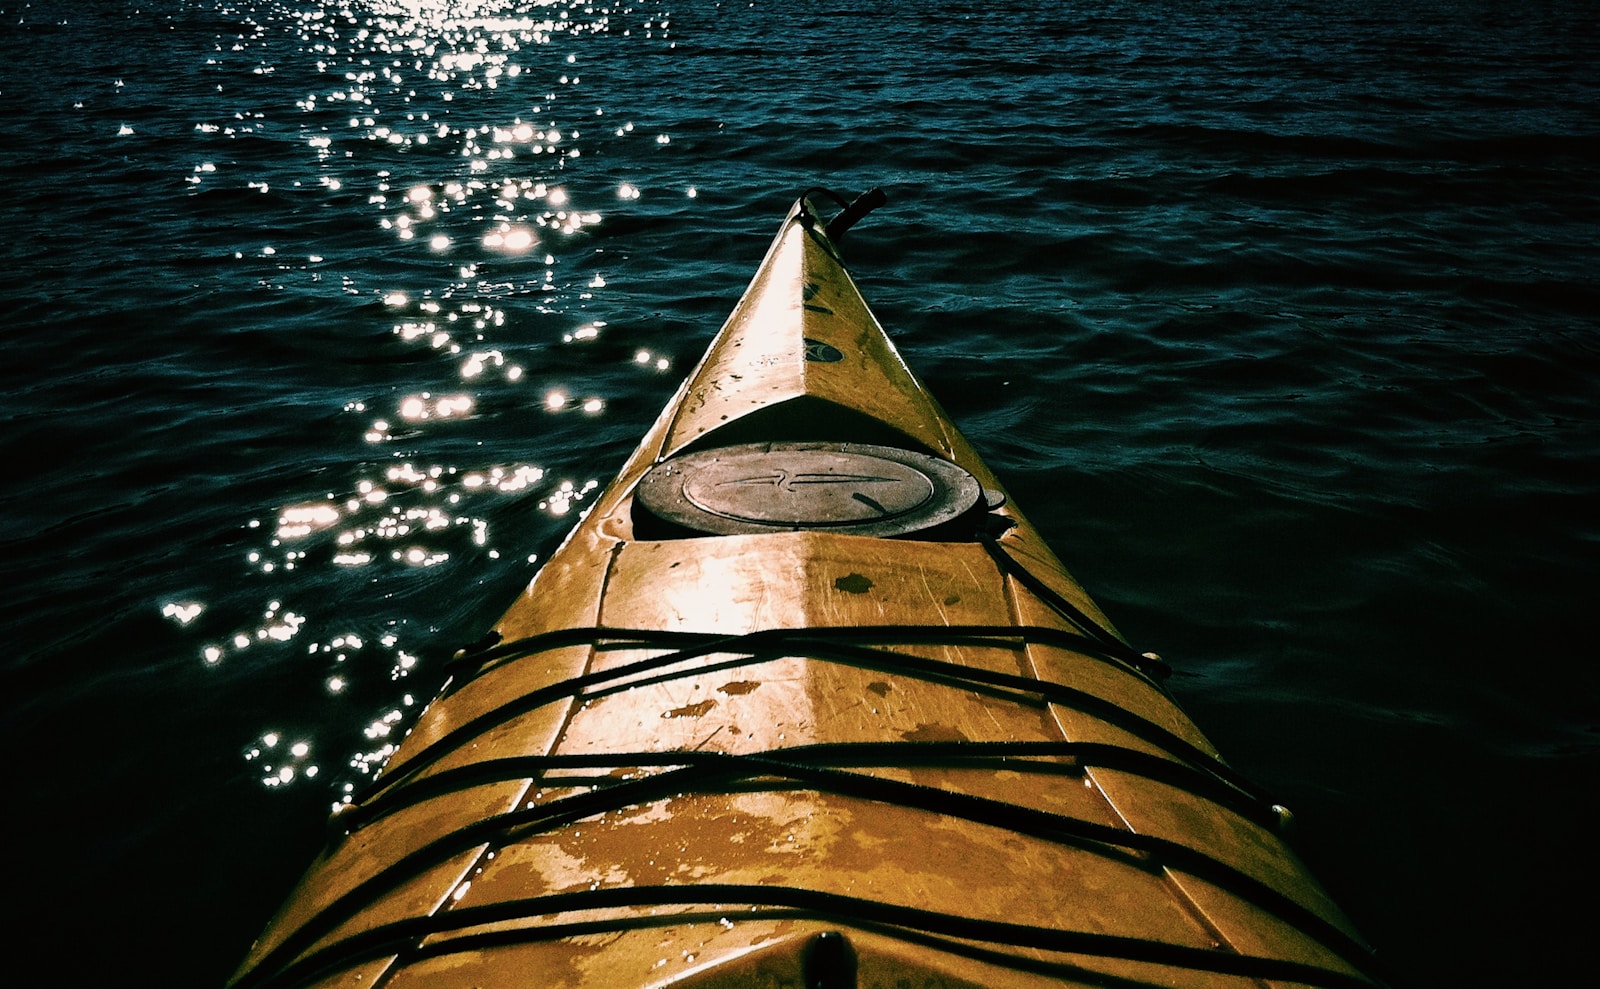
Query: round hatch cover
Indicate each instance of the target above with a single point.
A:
(829, 487)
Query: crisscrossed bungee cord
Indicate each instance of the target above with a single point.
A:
(715, 772)
(837, 644)
(816, 767)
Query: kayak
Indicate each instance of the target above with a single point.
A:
(804, 700)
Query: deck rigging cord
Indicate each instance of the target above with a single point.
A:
(407, 937)
(823, 645)
(722, 772)
(816, 767)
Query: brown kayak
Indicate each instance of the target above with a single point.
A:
(805, 701)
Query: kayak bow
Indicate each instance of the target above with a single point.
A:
(805, 700)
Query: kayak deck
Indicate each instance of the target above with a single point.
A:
(793, 706)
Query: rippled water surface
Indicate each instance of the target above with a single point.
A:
(1281, 320)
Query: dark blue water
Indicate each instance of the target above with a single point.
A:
(1282, 320)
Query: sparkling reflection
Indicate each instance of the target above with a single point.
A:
(182, 612)
(458, 127)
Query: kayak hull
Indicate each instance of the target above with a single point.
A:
(795, 754)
